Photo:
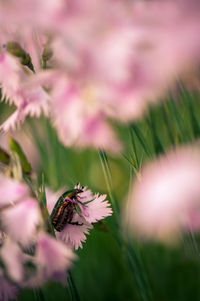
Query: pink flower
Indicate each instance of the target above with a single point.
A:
(34, 13)
(17, 89)
(14, 121)
(52, 256)
(165, 197)
(13, 259)
(74, 235)
(110, 69)
(89, 208)
(93, 207)
(172, 40)
(11, 191)
(79, 119)
(7, 290)
(21, 220)
(119, 57)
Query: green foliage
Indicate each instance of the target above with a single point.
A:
(4, 157)
(15, 148)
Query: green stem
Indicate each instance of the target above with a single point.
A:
(141, 282)
(188, 100)
(72, 288)
(183, 135)
(158, 148)
(45, 212)
(39, 296)
(167, 124)
(134, 149)
(108, 178)
(141, 139)
(126, 248)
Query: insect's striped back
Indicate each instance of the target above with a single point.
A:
(64, 209)
(58, 204)
(63, 215)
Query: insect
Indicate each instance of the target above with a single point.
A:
(64, 209)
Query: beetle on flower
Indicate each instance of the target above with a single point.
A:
(75, 212)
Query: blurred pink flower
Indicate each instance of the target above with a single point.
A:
(110, 69)
(21, 220)
(16, 89)
(14, 121)
(52, 256)
(11, 191)
(79, 119)
(93, 208)
(32, 13)
(7, 290)
(13, 260)
(11, 75)
(119, 57)
(165, 197)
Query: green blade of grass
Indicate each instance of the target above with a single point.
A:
(134, 150)
(167, 124)
(173, 109)
(108, 178)
(158, 148)
(16, 148)
(4, 156)
(39, 296)
(45, 212)
(72, 288)
(129, 253)
(141, 282)
(188, 101)
(141, 139)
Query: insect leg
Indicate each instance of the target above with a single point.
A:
(75, 223)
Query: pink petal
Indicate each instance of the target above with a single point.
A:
(97, 209)
(13, 259)
(52, 256)
(14, 121)
(11, 75)
(74, 235)
(7, 290)
(79, 121)
(21, 220)
(11, 191)
(165, 195)
(37, 101)
(98, 134)
(86, 195)
(18, 88)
